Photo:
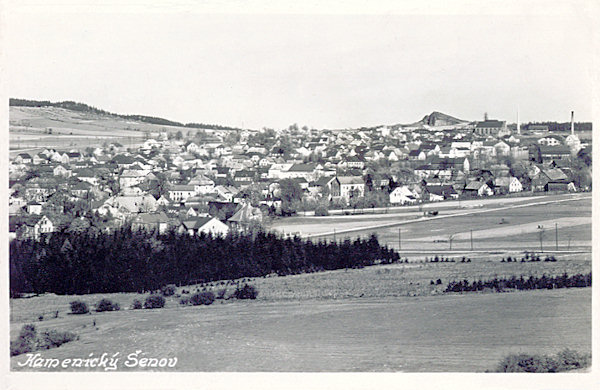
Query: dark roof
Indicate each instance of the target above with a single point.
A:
(196, 223)
(442, 190)
(558, 149)
(490, 123)
(302, 168)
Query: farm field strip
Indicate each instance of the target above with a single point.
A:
(453, 215)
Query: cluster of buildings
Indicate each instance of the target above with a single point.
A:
(212, 182)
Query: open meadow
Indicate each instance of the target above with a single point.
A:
(379, 318)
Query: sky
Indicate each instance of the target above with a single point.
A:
(323, 67)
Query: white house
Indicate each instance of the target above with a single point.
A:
(179, 193)
(403, 195)
(206, 225)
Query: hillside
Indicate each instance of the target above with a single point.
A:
(440, 119)
(86, 109)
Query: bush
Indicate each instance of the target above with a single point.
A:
(79, 307)
(321, 211)
(221, 293)
(246, 292)
(168, 290)
(568, 359)
(55, 338)
(203, 298)
(564, 361)
(28, 340)
(136, 305)
(184, 301)
(154, 302)
(19, 347)
(107, 305)
(28, 333)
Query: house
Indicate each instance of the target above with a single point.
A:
(39, 159)
(202, 184)
(351, 186)
(326, 185)
(180, 192)
(550, 180)
(87, 175)
(440, 192)
(502, 148)
(559, 152)
(130, 178)
(417, 154)
(203, 225)
(551, 140)
(245, 216)
(81, 189)
(23, 158)
(477, 188)
(403, 195)
(43, 226)
(34, 208)
(507, 185)
(157, 222)
(132, 204)
(305, 171)
(59, 170)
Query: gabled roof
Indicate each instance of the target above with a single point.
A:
(555, 174)
(350, 180)
(246, 214)
(302, 168)
(441, 190)
(474, 185)
(151, 218)
(490, 124)
(196, 223)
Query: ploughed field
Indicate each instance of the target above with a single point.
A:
(380, 318)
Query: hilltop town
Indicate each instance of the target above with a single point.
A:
(213, 180)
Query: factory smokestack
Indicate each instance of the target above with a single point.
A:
(572, 122)
(518, 123)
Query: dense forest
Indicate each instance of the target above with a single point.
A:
(81, 107)
(130, 261)
(563, 127)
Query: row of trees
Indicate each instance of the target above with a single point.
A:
(127, 261)
(531, 283)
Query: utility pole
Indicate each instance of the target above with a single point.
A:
(556, 234)
(399, 239)
(334, 239)
(471, 239)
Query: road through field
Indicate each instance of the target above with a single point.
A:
(454, 214)
(452, 333)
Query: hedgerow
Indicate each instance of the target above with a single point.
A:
(522, 283)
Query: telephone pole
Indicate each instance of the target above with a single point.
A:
(556, 234)
(399, 239)
(471, 239)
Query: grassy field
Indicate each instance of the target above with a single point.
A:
(72, 129)
(495, 226)
(380, 318)
(457, 333)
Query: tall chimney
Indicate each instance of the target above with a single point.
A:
(572, 122)
(518, 123)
